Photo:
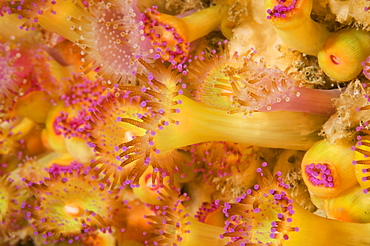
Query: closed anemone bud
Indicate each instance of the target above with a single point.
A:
(293, 24)
(327, 168)
(342, 55)
(351, 205)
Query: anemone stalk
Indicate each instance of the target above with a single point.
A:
(198, 123)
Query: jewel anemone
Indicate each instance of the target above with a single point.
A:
(109, 34)
(122, 132)
(228, 167)
(171, 36)
(266, 215)
(210, 124)
(172, 225)
(237, 83)
(69, 204)
(293, 24)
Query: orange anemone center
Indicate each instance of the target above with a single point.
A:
(73, 209)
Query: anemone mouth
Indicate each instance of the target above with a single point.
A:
(69, 204)
(335, 60)
(261, 216)
(112, 40)
(166, 35)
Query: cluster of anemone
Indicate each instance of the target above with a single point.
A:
(123, 123)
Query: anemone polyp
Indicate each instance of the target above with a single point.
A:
(266, 215)
(173, 225)
(235, 82)
(109, 34)
(227, 166)
(125, 125)
(169, 39)
(80, 97)
(263, 215)
(343, 53)
(293, 24)
(117, 40)
(112, 134)
(171, 36)
(69, 204)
